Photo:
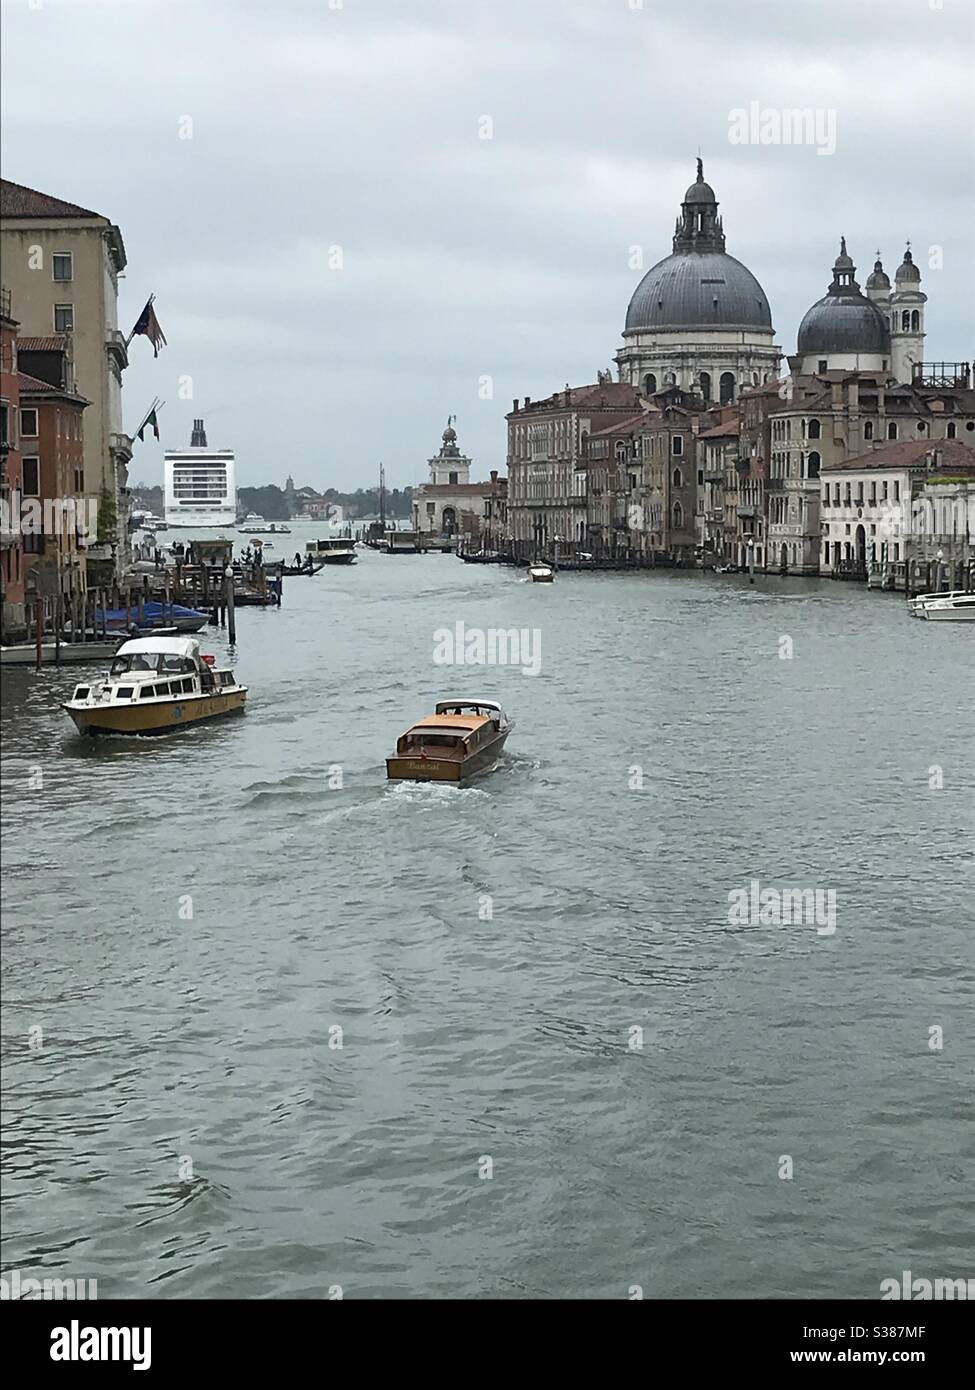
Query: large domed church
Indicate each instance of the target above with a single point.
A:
(699, 319)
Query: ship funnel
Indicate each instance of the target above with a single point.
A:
(199, 439)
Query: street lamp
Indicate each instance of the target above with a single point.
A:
(751, 561)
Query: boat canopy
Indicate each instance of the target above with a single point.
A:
(163, 646)
(448, 724)
(490, 708)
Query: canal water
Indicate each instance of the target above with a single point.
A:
(275, 1027)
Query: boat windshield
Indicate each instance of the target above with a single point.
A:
(152, 661)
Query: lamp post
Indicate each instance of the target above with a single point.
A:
(751, 561)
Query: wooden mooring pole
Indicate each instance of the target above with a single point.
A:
(231, 617)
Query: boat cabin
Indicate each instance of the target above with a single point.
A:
(153, 668)
(446, 736)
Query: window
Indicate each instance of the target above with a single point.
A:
(915, 321)
(32, 477)
(649, 384)
(921, 427)
(61, 261)
(812, 465)
(950, 431)
(28, 424)
(452, 478)
(822, 364)
(727, 388)
(145, 692)
(678, 516)
(814, 430)
(678, 478)
(868, 429)
(677, 444)
(905, 321)
(64, 318)
(124, 692)
(897, 492)
(892, 430)
(705, 380)
(700, 477)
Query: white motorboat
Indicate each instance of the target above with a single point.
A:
(955, 607)
(541, 574)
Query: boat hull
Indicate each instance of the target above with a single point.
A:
(155, 717)
(71, 653)
(341, 559)
(445, 769)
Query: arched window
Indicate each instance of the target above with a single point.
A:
(678, 516)
(678, 478)
(754, 378)
(905, 321)
(449, 520)
(727, 386)
(892, 430)
(812, 465)
(915, 321)
(950, 431)
(705, 381)
(649, 384)
(814, 429)
(670, 379)
(868, 429)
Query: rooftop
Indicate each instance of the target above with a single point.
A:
(940, 454)
(17, 200)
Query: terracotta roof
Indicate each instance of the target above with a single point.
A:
(16, 200)
(912, 453)
(610, 395)
(442, 489)
(33, 386)
(622, 426)
(55, 343)
(729, 430)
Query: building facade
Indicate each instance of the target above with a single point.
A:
(13, 625)
(548, 499)
(62, 263)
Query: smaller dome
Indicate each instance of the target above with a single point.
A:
(449, 434)
(907, 270)
(878, 279)
(699, 191)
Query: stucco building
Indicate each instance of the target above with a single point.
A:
(62, 263)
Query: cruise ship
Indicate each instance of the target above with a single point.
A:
(201, 488)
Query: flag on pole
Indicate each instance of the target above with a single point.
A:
(148, 324)
(149, 420)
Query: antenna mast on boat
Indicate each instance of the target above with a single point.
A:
(382, 497)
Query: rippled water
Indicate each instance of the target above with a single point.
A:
(185, 1126)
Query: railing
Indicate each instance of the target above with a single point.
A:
(942, 374)
(5, 303)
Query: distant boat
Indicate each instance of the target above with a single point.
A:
(337, 550)
(69, 653)
(254, 525)
(541, 574)
(956, 606)
(153, 615)
(460, 739)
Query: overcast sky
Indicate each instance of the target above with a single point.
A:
(357, 124)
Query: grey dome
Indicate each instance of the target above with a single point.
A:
(878, 279)
(844, 322)
(907, 270)
(700, 192)
(698, 289)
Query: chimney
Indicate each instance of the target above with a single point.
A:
(198, 439)
(514, 405)
(528, 400)
(494, 477)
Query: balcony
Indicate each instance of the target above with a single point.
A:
(117, 350)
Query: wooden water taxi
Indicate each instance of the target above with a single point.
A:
(541, 574)
(336, 550)
(155, 685)
(459, 740)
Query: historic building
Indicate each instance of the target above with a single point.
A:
(62, 264)
(547, 449)
(699, 319)
(450, 504)
(13, 625)
(905, 505)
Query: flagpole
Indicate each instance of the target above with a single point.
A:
(157, 404)
(132, 334)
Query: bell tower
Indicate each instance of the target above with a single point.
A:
(906, 320)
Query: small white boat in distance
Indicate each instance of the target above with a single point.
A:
(541, 574)
(955, 607)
